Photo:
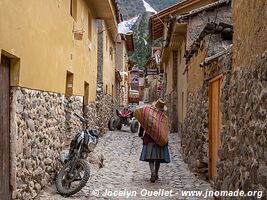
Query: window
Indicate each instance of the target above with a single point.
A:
(73, 9)
(86, 94)
(89, 26)
(69, 84)
(106, 89)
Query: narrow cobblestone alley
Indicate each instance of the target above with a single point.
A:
(123, 171)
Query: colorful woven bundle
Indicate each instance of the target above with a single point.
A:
(154, 122)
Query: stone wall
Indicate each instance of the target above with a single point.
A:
(197, 23)
(243, 154)
(195, 128)
(100, 50)
(42, 124)
(210, 45)
(242, 163)
(194, 135)
(152, 93)
(105, 110)
(171, 102)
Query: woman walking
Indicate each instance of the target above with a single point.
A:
(152, 152)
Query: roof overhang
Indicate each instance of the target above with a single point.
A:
(225, 30)
(109, 12)
(158, 21)
(205, 8)
(174, 39)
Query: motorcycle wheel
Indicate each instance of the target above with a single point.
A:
(134, 126)
(66, 183)
(111, 124)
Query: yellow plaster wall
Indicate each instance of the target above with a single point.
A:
(40, 34)
(182, 83)
(250, 28)
(168, 70)
(109, 62)
(181, 78)
(195, 72)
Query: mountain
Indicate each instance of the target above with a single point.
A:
(130, 8)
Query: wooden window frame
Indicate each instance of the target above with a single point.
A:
(69, 84)
(74, 9)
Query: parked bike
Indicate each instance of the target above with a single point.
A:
(124, 117)
(75, 171)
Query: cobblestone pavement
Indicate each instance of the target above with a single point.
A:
(123, 171)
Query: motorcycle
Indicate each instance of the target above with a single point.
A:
(75, 171)
(124, 117)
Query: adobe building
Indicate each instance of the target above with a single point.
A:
(124, 45)
(48, 72)
(173, 36)
(152, 70)
(224, 127)
(242, 160)
(208, 61)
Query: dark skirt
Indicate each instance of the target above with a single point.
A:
(152, 151)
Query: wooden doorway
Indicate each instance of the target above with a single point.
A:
(4, 128)
(214, 124)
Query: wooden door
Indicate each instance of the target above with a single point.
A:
(4, 128)
(214, 124)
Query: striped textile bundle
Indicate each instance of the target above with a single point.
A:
(154, 122)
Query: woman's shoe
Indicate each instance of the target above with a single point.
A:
(153, 177)
(157, 177)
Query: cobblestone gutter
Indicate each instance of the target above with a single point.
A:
(41, 125)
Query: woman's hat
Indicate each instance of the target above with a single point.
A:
(160, 105)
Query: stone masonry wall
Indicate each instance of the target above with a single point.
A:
(105, 109)
(197, 23)
(42, 124)
(100, 47)
(243, 154)
(195, 128)
(194, 132)
(194, 136)
(171, 102)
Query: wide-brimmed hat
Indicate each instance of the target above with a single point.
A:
(160, 105)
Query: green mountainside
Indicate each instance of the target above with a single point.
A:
(130, 8)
